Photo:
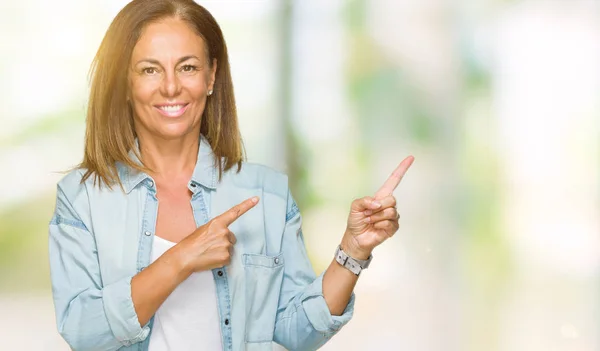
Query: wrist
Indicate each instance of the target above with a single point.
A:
(348, 245)
(179, 262)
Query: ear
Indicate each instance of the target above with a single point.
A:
(213, 74)
(128, 89)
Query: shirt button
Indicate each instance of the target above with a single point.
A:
(147, 233)
(276, 260)
(226, 321)
(193, 185)
(151, 183)
(220, 273)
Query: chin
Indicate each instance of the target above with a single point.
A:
(174, 132)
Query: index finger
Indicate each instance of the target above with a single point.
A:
(392, 182)
(237, 211)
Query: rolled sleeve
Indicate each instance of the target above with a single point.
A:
(90, 315)
(303, 321)
(120, 313)
(317, 311)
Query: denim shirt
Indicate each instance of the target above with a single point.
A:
(101, 238)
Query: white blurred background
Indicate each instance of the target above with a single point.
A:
(498, 100)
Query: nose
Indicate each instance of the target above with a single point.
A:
(171, 86)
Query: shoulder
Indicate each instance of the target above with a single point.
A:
(70, 184)
(72, 199)
(258, 176)
(69, 196)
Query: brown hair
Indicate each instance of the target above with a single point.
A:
(110, 133)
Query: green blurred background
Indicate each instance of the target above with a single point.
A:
(498, 100)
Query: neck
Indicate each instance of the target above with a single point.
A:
(169, 158)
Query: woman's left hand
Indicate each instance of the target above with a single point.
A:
(372, 220)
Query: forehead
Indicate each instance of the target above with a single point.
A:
(167, 38)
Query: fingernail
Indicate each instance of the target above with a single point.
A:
(368, 212)
(375, 204)
(255, 199)
(367, 220)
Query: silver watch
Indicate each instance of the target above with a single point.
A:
(354, 265)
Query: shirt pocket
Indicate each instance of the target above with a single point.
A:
(263, 275)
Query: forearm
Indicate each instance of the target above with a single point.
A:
(339, 282)
(151, 287)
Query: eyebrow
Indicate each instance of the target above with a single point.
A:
(153, 61)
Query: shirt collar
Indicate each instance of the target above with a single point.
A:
(204, 174)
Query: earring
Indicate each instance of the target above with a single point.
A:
(210, 92)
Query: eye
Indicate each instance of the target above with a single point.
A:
(188, 68)
(149, 70)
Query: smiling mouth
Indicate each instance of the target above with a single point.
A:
(171, 110)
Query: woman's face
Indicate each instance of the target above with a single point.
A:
(169, 80)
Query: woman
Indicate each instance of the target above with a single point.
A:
(163, 239)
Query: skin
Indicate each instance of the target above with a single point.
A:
(372, 220)
(169, 64)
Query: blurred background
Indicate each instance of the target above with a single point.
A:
(498, 100)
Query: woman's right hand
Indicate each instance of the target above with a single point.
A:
(211, 245)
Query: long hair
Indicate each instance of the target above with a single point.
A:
(110, 133)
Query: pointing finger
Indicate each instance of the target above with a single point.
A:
(237, 211)
(392, 182)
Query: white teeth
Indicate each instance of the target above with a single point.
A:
(172, 108)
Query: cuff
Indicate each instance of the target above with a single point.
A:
(118, 306)
(317, 311)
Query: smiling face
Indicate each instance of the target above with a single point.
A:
(169, 80)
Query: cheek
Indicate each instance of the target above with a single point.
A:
(142, 90)
(197, 88)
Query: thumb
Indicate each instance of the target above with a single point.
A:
(365, 203)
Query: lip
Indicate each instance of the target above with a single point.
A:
(172, 114)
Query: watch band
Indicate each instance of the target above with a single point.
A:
(354, 265)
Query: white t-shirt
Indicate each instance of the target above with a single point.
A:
(189, 317)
